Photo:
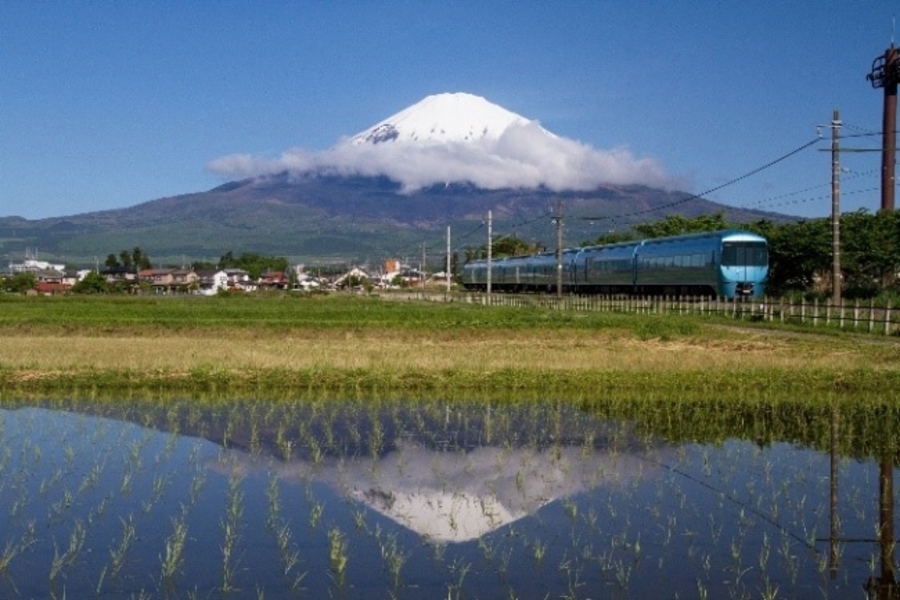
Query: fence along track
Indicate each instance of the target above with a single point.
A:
(864, 317)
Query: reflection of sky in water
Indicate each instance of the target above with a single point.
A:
(594, 512)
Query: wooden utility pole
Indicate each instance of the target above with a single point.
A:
(836, 279)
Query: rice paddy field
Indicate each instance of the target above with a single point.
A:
(352, 448)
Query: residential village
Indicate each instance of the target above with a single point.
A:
(55, 279)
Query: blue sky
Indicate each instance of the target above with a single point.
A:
(109, 104)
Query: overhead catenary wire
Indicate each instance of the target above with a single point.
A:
(457, 241)
(782, 199)
(701, 195)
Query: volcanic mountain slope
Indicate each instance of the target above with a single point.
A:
(445, 161)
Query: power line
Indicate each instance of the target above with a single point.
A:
(701, 195)
(772, 200)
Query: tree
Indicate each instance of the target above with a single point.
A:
(204, 265)
(140, 259)
(112, 262)
(20, 282)
(125, 259)
(93, 283)
(798, 252)
(611, 238)
(254, 264)
(678, 225)
(502, 246)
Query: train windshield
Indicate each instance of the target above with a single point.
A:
(744, 254)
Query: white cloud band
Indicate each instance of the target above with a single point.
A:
(524, 156)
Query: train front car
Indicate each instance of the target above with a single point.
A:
(743, 265)
(730, 264)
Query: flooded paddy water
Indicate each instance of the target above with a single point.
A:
(443, 499)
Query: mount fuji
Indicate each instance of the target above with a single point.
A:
(384, 192)
(461, 138)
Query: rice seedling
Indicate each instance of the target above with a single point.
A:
(174, 556)
(196, 487)
(117, 554)
(394, 559)
(231, 530)
(315, 513)
(10, 551)
(337, 555)
(539, 551)
(67, 558)
(458, 570)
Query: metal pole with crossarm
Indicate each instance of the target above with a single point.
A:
(886, 74)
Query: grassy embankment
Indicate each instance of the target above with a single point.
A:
(284, 345)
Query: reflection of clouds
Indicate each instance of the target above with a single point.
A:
(460, 496)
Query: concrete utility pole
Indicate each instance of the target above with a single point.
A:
(448, 258)
(489, 249)
(559, 238)
(423, 266)
(886, 74)
(836, 280)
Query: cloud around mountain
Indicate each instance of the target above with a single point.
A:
(524, 155)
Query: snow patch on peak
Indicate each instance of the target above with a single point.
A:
(443, 118)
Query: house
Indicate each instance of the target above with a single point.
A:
(239, 279)
(170, 281)
(115, 275)
(211, 282)
(52, 288)
(72, 277)
(49, 276)
(274, 280)
(352, 277)
(185, 278)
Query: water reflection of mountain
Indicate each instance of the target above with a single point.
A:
(449, 471)
(455, 496)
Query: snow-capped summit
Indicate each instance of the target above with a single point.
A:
(460, 138)
(443, 118)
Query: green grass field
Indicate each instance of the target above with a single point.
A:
(290, 344)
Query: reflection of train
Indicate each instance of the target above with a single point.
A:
(730, 263)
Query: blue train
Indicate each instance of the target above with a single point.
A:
(730, 264)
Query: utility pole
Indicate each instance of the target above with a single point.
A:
(448, 258)
(559, 237)
(886, 74)
(836, 280)
(489, 249)
(423, 266)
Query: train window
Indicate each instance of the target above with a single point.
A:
(744, 254)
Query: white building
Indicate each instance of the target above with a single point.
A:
(31, 264)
